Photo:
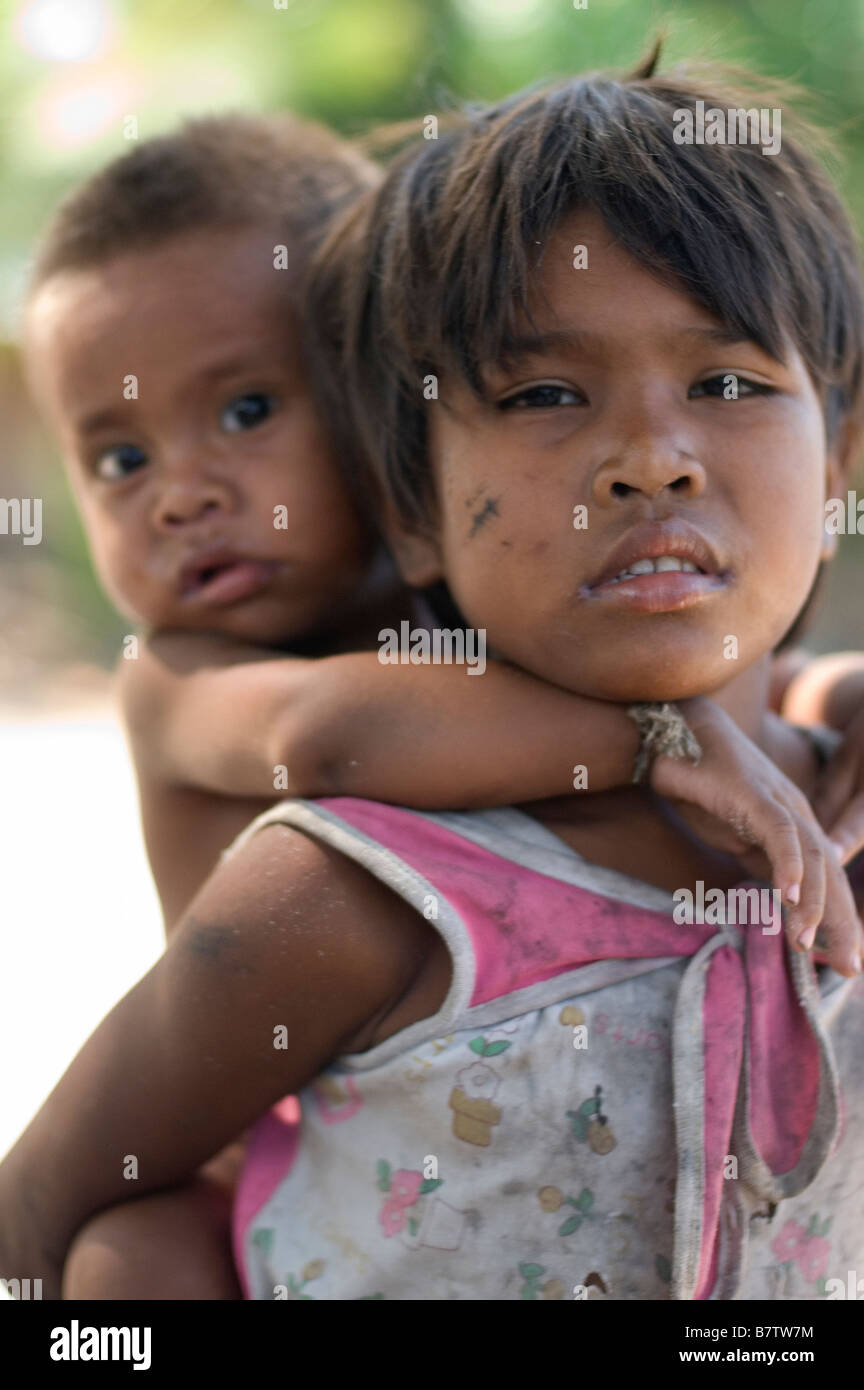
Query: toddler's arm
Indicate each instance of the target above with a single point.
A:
(242, 721)
(830, 690)
(225, 717)
(287, 933)
(827, 690)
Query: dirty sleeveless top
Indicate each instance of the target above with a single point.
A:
(607, 1104)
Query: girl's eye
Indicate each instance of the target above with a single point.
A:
(729, 387)
(246, 412)
(540, 397)
(118, 463)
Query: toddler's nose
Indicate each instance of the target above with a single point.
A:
(179, 503)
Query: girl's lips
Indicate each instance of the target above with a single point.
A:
(229, 583)
(663, 592)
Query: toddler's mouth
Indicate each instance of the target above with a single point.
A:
(223, 578)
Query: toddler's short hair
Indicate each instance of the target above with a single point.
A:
(432, 273)
(233, 170)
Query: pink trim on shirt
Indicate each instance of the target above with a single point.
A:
(524, 926)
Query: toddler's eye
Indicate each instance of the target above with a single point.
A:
(729, 386)
(540, 397)
(246, 412)
(120, 462)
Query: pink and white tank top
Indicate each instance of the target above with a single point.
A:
(606, 1105)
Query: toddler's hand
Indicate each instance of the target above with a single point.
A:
(839, 799)
(745, 806)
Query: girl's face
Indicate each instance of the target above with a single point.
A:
(633, 428)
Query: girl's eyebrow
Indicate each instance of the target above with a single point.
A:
(717, 333)
(514, 349)
(726, 336)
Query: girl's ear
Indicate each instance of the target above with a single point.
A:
(843, 454)
(417, 553)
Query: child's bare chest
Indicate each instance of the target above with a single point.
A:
(637, 841)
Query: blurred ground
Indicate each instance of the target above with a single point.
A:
(80, 916)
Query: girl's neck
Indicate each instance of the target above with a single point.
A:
(746, 700)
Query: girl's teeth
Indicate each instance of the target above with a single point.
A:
(658, 566)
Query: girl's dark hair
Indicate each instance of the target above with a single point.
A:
(432, 272)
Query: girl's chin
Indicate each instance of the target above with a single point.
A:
(632, 686)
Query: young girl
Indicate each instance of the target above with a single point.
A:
(419, 977)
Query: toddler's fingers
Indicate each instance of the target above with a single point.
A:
(835, 787)
(778, 835)
(804, 920)
(847, 832)
(840, 928)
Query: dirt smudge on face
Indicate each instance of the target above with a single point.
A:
(489, 508)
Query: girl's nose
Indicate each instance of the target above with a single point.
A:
(650, 468)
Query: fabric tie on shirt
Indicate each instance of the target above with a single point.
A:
(756, 1097)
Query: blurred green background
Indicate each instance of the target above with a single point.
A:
(71, 71)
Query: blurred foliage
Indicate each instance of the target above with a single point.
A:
(355, 62)
(71, 71)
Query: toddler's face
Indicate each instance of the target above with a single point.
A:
(613, 441)
(208, 491)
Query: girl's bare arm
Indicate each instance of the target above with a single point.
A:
(286, 933)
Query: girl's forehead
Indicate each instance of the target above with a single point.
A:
(586, 263)
(586, 286)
